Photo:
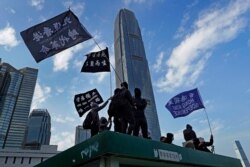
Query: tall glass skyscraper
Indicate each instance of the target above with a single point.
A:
(38, 129)
(132, 66)
(16, 93)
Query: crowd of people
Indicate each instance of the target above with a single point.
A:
(127, 114)
(125, 111)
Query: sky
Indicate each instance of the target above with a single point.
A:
(202, 44)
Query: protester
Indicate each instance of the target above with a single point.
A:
(201, 145)
(126, 108)
(139, 115)
(162, 138)
(189, 133)
(93, 117)
(104, 124)
(169, 138)
(113, 111)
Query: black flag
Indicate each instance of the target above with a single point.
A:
(97, 62)
(82, 101)
(54, 35)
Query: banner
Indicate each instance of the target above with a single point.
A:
(54, 35)
(97, 62)
(184, 103)
(83, 101)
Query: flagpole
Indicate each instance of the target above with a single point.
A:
(208, 121)
(108, 60)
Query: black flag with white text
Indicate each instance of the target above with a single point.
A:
(82, 101)
(54, 35)
(97, 62)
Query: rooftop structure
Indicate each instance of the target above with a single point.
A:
(111, 149)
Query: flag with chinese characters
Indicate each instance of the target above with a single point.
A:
(54, 35)
(184, 103)
(97, 62)
(82, 101)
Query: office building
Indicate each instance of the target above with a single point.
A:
(38, 129)
(16, 157)
(131, 64)
(16, 93)
(240, 154)
(81, 134)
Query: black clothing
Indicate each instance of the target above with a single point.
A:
(202, 146)
(140, 119)
(189, 134)
(169, 139)
(121, 112)
(95, 118)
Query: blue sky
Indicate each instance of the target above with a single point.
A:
(195, 43)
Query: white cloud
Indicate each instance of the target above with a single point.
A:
(214, 27)
(64, 140)
(62, 119)
(10, 10)
(127, 2)
(182, 29)
(41, 94)
(61, 60)
(8, 37)
(158, 65)
(77, 8)
(38, 4)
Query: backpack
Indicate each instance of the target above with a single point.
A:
(87, 123)
(118, 102)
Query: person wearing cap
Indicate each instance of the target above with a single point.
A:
(189, 133)
(169, 138)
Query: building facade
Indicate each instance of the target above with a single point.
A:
(16, 157)
(38, 130)
(81, 134)
(240, 154)
(16, 93)
(131, 64)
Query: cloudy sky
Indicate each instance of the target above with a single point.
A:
(189, 44)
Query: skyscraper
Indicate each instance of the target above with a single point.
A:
(81, 134)
(132, 66)
(38, 128)
(240, 154)
(16, 93)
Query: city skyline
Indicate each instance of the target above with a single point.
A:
(16, 92)
(189, 44)
(132, 65)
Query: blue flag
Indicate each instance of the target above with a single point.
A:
(184, 103)
(54, 35)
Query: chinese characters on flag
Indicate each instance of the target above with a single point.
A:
(184, 103)
(97, 62)
(54, 35)
(82, 101)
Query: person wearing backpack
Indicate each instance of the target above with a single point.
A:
(92, 119)
(140, 119)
